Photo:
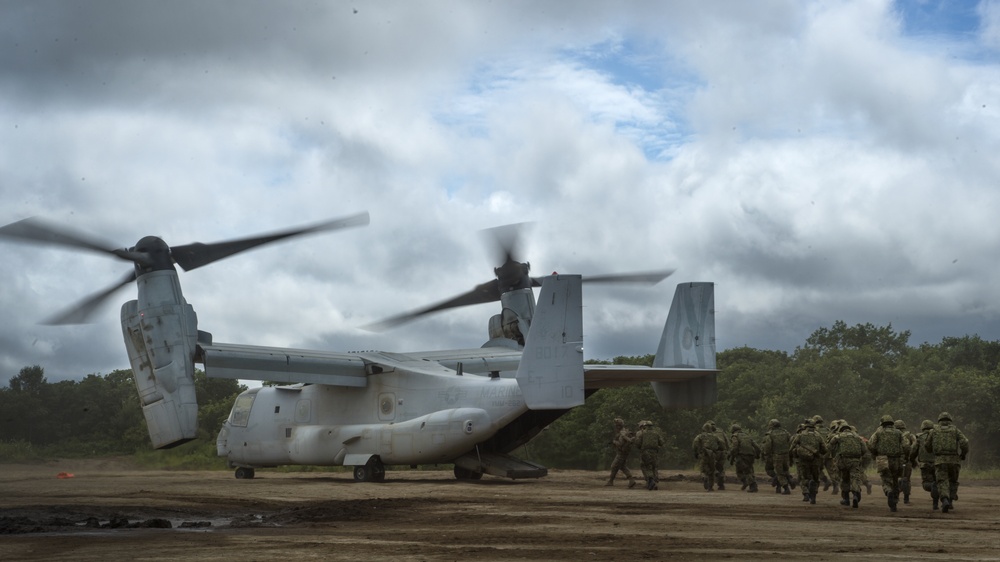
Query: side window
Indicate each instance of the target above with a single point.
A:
(241, 410)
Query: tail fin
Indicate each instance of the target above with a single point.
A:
(689, 341)
(550, 373)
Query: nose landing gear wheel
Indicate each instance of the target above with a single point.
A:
(244, 473)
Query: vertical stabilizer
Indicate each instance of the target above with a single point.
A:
(688, 340)
(550, 373)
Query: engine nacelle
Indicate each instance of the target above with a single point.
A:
(161, 340)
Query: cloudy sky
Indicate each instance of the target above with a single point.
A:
(818, 161)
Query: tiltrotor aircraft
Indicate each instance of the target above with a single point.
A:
(373, 409)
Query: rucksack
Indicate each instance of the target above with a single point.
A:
(849, 445)
(781, 441)
(944, 440)
(890, 442)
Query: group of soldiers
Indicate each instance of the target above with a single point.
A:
(835, 455)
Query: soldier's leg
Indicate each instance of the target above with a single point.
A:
(856, 475)
(941, 476)
(953, 481)
(720, 469)
(615, 467)
(904, 482)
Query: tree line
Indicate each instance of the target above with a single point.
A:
(857, 373)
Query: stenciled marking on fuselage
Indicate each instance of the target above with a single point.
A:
(551, 352)
(502, 397)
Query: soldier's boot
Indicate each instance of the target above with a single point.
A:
(631, 482)
(744, 486)
(610, 482)
(805, 495)
(785, 491)
(906, 498)
(649, 483)
(836, 488)
(945, 505)
(954, 492)
(893, 500)
(706, 483)
(791, 481)
(868, 485)
(812, 498)
(722, 484)
(857, 499)
(844, 498)
(753, 487)
(825, 481)
(935, 508)
(777, 488)
(656, 483)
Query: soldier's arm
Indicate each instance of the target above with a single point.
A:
(963, 445)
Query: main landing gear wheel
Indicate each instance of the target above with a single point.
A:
(372, 471)
(466, 474)
(244, 473)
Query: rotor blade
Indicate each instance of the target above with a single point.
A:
(482, 293)
(36, 230)
(191, 256)
(80, 313)
(506, 241)
(647, 278)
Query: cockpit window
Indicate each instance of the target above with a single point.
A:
(241, 410)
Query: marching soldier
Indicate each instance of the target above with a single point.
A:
(775, 448)
(623, 446)
(809, 450)
(742, 452)
(720, 460)
(950, 447)
(707, 449)
(829, 467)
(848, 449)
(889, 449)
(910, 441)
(925, 458)
(649, 441)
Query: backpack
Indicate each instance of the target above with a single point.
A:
(745, 445)
(849, 445)
(781, 441)
(944, 440)
(890, 442)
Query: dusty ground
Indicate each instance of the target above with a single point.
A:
(427, 515)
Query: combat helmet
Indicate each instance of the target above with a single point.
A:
(887, 419)
(774, 423)
(899, 425)
(926, 424)
(708, 427)
(619, 421)
(645, 423)
(817, 419)
(944, 416)
(734, 428)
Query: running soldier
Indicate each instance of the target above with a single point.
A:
(707, 449)
(720, 460)
(649, 441)
(623, 446)
(890, 451)
(829, 468)
(910, 441)
(848, 449)
(809, 449)
(775, 448)
(793, 460)
(950, 447)
(919, 455)
(742, 452)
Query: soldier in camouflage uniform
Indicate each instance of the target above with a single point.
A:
(793, 460)
(919, 455)
(829, 467)
(890, 451)
(649, 441)
(622, 443)
(866, 462)
(848, 449)
(720, 460)
(775, 448)
(904, 481)
(707, 449)
(808, 448)
(742, 452)
(950, 447)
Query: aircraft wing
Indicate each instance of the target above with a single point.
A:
(278, 364)
(611, 376)
(479, 361)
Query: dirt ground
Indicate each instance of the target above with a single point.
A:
(108, 511)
